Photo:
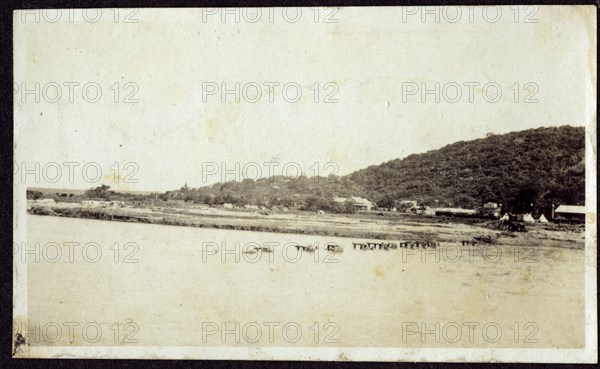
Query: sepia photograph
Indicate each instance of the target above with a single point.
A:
(393, 183)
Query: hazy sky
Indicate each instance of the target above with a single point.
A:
(372, 59)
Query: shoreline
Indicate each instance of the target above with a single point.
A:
(332, 226)
(100, 214)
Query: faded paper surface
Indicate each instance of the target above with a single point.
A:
(156, 103)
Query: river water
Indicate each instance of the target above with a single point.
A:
(143, 284)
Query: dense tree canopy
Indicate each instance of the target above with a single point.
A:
(539, 166)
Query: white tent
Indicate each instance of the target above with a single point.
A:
(505, 217)
(528, 218)
(542, 219)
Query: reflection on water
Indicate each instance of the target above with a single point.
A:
(194, 286)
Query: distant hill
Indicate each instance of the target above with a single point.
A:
(538, 166)
(49, 191)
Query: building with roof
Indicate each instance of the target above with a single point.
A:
(358, 202)
(574, 213)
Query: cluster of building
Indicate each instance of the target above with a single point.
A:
(492, 210)
(563, 213)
